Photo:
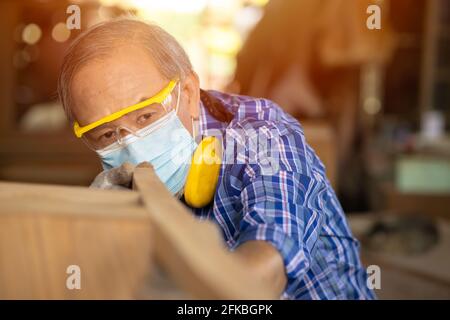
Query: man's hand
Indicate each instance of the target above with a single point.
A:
(266, 263)
(116, 178)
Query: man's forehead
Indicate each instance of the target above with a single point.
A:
(108, 85)
(123, 68)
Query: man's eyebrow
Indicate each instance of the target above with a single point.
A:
(139, 100)
(145, 97)
(142, 99)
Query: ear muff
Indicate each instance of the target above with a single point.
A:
(203, 175)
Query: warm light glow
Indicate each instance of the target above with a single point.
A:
(60, 32)
(151, 6)
(31, 34)
(261, 3)
(372, 105)
(223, 41)
(212, 31)
(225, 5)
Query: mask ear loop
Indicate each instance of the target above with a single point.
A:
(194, 121)
(195, 129)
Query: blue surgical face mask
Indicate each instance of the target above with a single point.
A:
(166, 144)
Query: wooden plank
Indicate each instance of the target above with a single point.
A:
(114, 257)
(193, 251)
(21, 198)
(44, 229)
(112, 237)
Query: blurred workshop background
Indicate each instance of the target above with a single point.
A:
(375, 105)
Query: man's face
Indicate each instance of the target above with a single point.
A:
(122, 79)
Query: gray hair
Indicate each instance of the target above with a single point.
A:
(96, 42)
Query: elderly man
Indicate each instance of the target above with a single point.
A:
(128, 87)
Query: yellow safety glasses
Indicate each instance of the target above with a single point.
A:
(159, 98)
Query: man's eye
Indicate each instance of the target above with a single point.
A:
(108, 135)
(144, 118)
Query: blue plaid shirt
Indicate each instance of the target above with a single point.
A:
(294, 207)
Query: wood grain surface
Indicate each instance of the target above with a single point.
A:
(117, 238)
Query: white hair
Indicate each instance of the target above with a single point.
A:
(96, 43)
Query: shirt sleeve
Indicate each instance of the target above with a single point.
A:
(285, 206)
(276, 210)
(282, 192)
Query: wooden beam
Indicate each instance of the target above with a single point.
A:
(24, 198)
(45, 229)
(193, 251)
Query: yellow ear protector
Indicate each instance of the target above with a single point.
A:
(203, 175)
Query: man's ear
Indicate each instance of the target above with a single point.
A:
(191, 92)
